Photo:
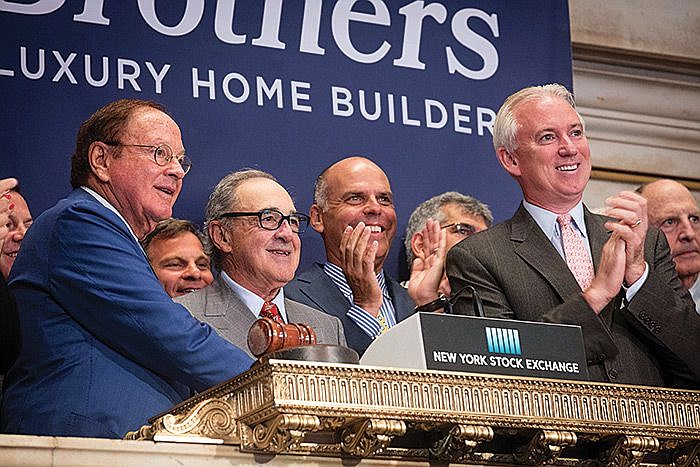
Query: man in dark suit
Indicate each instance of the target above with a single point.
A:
(103, 346)
(555, 261)
(353, 210)
(253, 236)
(9, 325)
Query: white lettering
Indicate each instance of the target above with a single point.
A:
(40, 7)
(474, 42)
(64, 67)
(269, 92)
(209, 83)
(338, 101)
(377, 106)
(299, 96)
(343, 14)
(310, 28)
(445, 357)
(461, 117)
(415, 13)
(269, 35)
(122, 75)
(405, 119)
(245, 88)
(88, 72)
(482, 123)
(431, 104)
(223, 23)
(23, 64)
(92, 13)
(194, 10)
(158, 75)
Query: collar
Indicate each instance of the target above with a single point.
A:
(106, 204)
(338, 277)
(547, 220)
(253, 301)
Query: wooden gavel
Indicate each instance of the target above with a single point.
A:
(267, 335)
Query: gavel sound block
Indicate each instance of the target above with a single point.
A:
(294, 341)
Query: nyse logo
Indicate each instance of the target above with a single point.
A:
(506, 341)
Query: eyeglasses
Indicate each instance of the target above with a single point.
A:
(162, 154)
(460, 228)
(271, 219)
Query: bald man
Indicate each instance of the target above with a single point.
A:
(353, 210)
(673, 209)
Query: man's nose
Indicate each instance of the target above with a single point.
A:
(372, 205)
(284, 230)
(192, 271)
(567, 146)
(687, 230)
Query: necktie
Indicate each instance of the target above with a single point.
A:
(270, 310)
(575, 252)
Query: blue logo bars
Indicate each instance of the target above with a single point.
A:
(506, 341)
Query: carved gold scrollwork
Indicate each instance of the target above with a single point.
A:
(370, 436)
(629, 451)
(144, 433)
(211, 418)
(688, 456)
(284, 432)
(460, 441)
(544, 447)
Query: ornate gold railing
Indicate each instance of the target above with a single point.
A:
(349, 410)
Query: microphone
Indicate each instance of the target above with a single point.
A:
(448, 303)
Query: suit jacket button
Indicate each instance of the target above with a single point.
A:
(612, 374)
(601, 357)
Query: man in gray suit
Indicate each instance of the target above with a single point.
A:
(555, 261)
(253, 238)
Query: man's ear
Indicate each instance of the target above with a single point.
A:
(417, 245)
(509, 161)
(316, 215)
(99, 161)
(220, 237)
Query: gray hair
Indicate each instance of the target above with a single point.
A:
(223, 199)
(431, 208)
(321, 188)
(505, 125)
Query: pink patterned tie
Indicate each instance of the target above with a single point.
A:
(577, 257)
(270, 310)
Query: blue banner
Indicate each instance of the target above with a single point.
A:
(287, 86)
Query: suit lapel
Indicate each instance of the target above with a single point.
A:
(224, 303)
(327, 297)
(597, 235)
(403, 305)
(533, 246)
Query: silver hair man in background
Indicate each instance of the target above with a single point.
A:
(674, 210)
(459, 215)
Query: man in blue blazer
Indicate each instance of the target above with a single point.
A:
(354, 212)
(104, 348)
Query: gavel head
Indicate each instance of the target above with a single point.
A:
(266, 336)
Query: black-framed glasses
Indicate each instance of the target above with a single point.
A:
(460, 228)
(162, 154)
(271, 219)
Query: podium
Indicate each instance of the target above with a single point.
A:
(342, 410)
(432, 341)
